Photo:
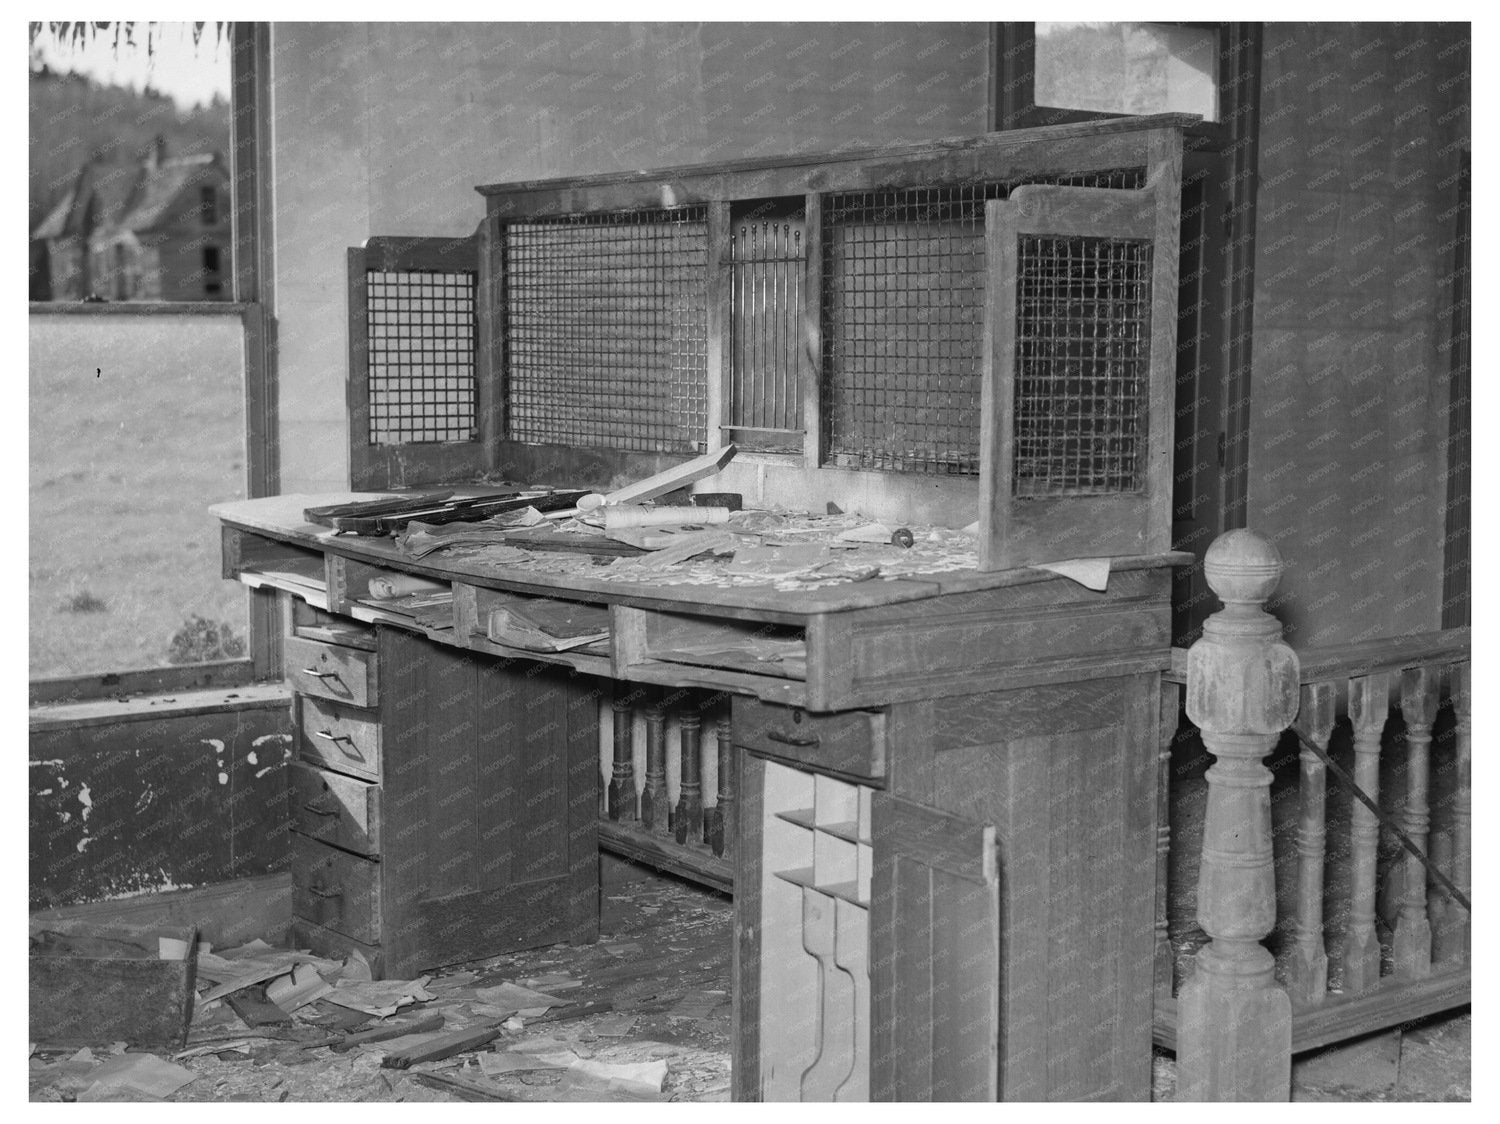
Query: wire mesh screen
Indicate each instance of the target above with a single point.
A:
(767, 258)
(421, 355)
(903, 322)
(1082, 353)
(606, 330)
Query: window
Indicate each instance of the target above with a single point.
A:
(208, 206)
(126, 582)
(1124, 68)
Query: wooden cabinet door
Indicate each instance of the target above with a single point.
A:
(1076, 410)
(421, 398)
(490, 778)
(934, 955)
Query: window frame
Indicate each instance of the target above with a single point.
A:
(252, 298)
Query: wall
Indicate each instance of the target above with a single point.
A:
(159, 794)
(1362, 134)
(386, 129)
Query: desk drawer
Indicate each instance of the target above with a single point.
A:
(339, 737)
(331, 671)
(849, 744)
(333, 808)
(335, 889)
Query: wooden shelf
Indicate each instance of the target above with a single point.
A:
(847, 891)
(847, 830)
(802, 817)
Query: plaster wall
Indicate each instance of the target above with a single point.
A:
(1363, 129)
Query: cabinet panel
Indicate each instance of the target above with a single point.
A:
(490, 801)
(851, 744)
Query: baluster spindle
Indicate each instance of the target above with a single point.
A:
(1234, 1022)
(1451, 938)
(1412, 944)
(622, 801)
(655, 806)
(1171, 703)
(1307, 981)
(720, 819)
(689, 818)
(1369, 703)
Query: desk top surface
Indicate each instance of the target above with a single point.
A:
(689, 587)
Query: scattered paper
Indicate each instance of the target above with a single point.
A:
(871, 532)
(298, 989)
(622, 948)
(509, 998)
(552, 981)
(1091, 573)
(356, 967)
(614, 1026)
(171, 948)
(507, 1061)
(379, 997)
(144, 1074)
(629, 1078)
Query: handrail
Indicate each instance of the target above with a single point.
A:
(1364, 657)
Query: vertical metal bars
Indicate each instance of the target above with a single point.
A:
(606, 330)
(421, 326)
(1082, 352)
(767, 258)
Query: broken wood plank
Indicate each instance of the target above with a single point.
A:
(342, 1042)
(469, 1090)
(254, 1009)
(441, 1046)
(663, 482)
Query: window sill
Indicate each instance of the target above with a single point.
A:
(137, 308)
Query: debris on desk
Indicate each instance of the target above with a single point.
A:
(136, 1077)
(544, 625)
(379, 997)
(389, 587)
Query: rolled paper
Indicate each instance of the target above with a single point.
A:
(616, 517)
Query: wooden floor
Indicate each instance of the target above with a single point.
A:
(663, 963)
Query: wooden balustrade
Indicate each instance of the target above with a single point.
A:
(669, 791)
(1387, 696)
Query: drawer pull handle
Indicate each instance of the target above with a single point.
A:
(791, 739)
(318, 808)
(329, 735)
(316, 674)
(322, 891)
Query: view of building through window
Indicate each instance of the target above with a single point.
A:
(136, 415)
(129, 162)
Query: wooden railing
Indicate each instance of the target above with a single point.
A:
(1240, 1012)
(666, 761)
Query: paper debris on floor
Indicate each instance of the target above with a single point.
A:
(133, 1076)
(379, 997)
(629, 1078)
(507, 1061)
(614, 1026)
(513, 999)
(297, 989)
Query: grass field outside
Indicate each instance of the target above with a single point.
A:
(136, 427)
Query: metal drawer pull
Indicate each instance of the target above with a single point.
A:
(320, 809)
(315, 673)
(329, 735)
(789, 739)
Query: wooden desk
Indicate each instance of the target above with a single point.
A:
(951, 815)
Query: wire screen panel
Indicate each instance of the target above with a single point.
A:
(1083, 307)
(421, 328)
(606, 330)
(767, 258)
(904, 280)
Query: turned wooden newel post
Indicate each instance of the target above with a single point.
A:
(1234, 1039)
